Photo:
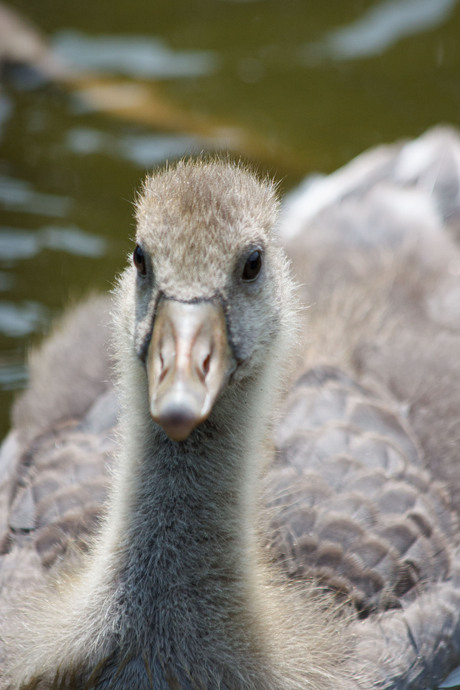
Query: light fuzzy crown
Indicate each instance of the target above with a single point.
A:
(199, 213)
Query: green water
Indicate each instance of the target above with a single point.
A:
(294, 86)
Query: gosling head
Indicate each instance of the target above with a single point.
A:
(206, 286)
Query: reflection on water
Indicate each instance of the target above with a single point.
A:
(145, 150)
(18, 195)
(381, 27)
(13, 375)
(17, 320)
(72, 158)
(23, 244)
(133, 56)
(148, 150)
(72, 240)
(17, 244)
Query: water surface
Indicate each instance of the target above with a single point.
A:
(295, 87)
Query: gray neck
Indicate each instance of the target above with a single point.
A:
(180, 549)
(184, 521)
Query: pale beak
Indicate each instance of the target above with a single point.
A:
(188, 363)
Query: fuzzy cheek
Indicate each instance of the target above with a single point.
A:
(143, 331)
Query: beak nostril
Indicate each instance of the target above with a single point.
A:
(206, 364)
(163, 371)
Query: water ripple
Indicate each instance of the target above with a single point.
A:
(17, 245)
(13, 376)
(144, 150)
(133, 56)
(380, 28)
(18, 195)
(19, 320)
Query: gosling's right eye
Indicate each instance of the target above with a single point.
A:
(139, 260)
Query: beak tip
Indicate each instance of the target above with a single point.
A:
(177, 421)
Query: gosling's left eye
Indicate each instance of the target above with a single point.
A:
(252, 266)
(139, 260)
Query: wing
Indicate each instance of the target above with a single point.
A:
(54, 467)
(352, 505)
(364, 494)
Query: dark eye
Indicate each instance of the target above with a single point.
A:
(252, 266)
(139, 260)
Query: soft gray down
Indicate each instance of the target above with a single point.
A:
(268, 496)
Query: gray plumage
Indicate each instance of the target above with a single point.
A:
(186, 584)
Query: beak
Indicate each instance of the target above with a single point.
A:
(188, 363)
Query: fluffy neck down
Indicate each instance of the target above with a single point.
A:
(176, 593)
(179, 556)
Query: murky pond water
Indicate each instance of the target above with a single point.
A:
(293, 86)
